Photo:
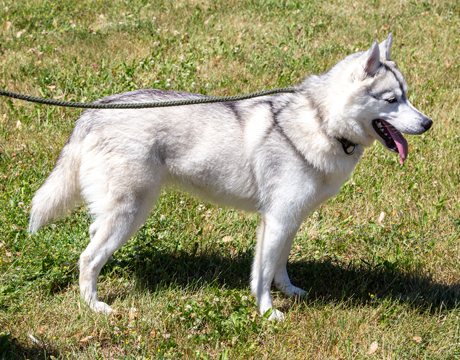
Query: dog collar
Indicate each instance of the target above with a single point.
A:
(348, 146)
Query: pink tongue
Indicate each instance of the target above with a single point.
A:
(401, 143)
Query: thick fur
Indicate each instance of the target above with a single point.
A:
(277, 155)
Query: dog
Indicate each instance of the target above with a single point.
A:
(281, 156)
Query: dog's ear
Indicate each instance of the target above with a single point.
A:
(385, 47)
(371, 61)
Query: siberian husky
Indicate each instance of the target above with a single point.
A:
(280, 156)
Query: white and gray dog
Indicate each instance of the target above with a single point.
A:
(280, 156)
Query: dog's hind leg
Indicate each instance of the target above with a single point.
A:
(274, 235)
(282, 281)
(108, 233)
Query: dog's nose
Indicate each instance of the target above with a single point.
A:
(427, 124)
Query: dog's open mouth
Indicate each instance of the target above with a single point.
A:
(392, 138)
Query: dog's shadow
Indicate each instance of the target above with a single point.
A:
(354, 282)
(327, 280)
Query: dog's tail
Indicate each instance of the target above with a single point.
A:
(59, 192)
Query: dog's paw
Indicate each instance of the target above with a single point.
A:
(296, 292)
(101, 308)
(276, 315)
(292, 291)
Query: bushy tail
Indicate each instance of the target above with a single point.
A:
(59, 192)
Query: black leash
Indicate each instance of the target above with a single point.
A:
(143, 105)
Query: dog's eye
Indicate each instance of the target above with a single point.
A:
(392, 100)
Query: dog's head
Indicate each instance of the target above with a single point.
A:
(384, 110)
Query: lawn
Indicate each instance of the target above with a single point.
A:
(380, 261)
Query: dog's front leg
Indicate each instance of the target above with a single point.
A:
(273, 236)
(282, 281)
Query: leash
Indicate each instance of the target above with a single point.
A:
(348, 146)
(206, 100)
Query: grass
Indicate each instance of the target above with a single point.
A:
(393, 281)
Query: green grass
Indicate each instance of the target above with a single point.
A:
(186, 271)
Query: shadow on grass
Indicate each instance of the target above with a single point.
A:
(358, 282)
(327, 280)
(10, 349)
